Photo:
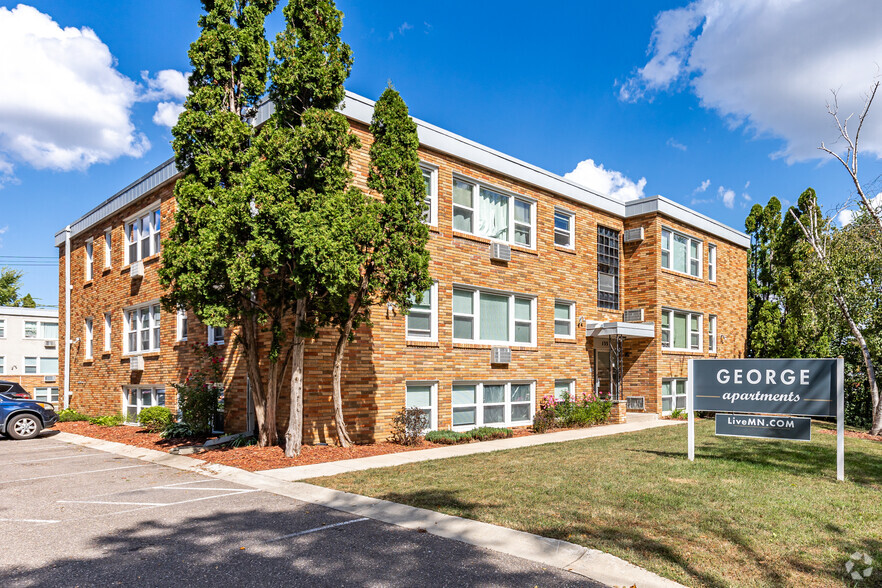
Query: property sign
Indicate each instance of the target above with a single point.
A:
(805, 387)
(766, 427)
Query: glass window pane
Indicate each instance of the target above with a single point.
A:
(666, 404)
(520, 393)
(681, 402)
(666, 388)
(462, 220)
(522, 235)
(523, 309)
(680, 386)
(520, 412)
(494, 393)
(48, 365)
(494, 415)
(693, 249)
(522, 212)
(419, 396)
(49, 330)
(424, 301)
(463, 328)
(463, 394)
(665, 319)
(427, 180)
(693, 322)
(562, 328)
(561, 388)
(679, 331)
(463, 302)
(132, 414)
(680, 244)
(562, 239)
(160, 397)
(464, 416)
(562, 221)
(524, 333)
(562, 311)
(492, 215)
(666, 259)
(494, 317)
(419, 322)
(462, 193)
(146, 398)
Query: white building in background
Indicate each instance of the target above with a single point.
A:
(29, 350)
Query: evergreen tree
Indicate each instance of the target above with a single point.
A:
(10, 284)
(220, 260)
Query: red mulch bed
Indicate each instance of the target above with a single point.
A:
(854, 434)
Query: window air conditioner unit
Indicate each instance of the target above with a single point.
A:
(632, 235)
(633, 315)
(136, 363)
(635, 403)
(136, 270)
(50, 344)
(49, 379)
(500, 355)
(500, 252)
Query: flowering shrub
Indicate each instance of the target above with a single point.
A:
(584, 410)
(201, 394)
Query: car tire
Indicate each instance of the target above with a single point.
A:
(24, 426)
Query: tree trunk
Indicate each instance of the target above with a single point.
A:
(265, 398)
(339, 352)
(868, 364)
(294, 434)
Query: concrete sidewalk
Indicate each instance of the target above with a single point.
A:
(636, 422)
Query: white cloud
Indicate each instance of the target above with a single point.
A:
(167, 113)
(63, 105)
(728, 197)
(606, 181)
(167, 83)
(2, 232)
(846, 216)
(675, 144)
(703, 187)
(769, 66)
(405, 26)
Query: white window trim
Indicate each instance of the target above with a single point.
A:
(433, 206)
(476, 316)
(712, 262)
(712, 333)
(89, 249)
(179, 325)
(689, 314)
(433, 425)
(571, 387)
(689, 258)
(479, 403)
(38, 358)
(433, 319)
(154, 389)
(49, 393)
(127, 328)
(89, 335)
(2, 328)
(673, 396)
(572, 321)
(157, 205)
(108, 248)
(108, 318)
(211, 339)
(37, 337)
(476, 187)
(572, 233)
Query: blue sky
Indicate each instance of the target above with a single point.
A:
(717, 105)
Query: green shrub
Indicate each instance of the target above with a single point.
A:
(69, 415)
(180, 430)
(243, 441)
(543, 420)
(108, 420)
(155, 419)
(488, 433)
(446, 437)
(679, 414)
(200, 396)
(408, 426)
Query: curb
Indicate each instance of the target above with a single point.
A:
(590, 563)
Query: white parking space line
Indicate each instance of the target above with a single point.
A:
(111, 502)
(234, 492)
(75, 473)
(51, 459)
(317, 529)
(42, 521)
(200, 489)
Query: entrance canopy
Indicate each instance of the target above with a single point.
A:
(620, 329)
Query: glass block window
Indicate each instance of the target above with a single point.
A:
(607, 268)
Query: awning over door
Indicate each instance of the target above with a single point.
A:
(620, 329)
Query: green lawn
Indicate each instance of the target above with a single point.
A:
(748, 512)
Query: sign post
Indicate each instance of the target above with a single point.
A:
(789, 387)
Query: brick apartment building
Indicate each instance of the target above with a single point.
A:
(29, 350)
(541, 286)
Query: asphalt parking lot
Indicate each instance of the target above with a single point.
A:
(73, 516)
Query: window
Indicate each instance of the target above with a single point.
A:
(142, 329)
(422, 321)
(423, 395)
(88, 332)
(41, 365)
(48, 330)
(40, 329)
(486, 213)
(2, 365)
(216, 335)
(2, 328)
(430, 179)
(107, 331)
(90, 245)
(491, 404)
(673, 395)
(182, 324)
(607, 268)
(137, 399)
(564, 225)
(712, 263)
(143, 236)
(681, 330)
(564, 319)
(681, 253)
(489, 317)
(565, 389)
(107, 248)
(30, 330)
(712, 333)
(46, 394)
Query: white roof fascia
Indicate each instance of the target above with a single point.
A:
(27, 312)
(361, 109)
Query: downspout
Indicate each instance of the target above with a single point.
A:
(67, 289)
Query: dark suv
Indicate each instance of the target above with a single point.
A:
(21, 417)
